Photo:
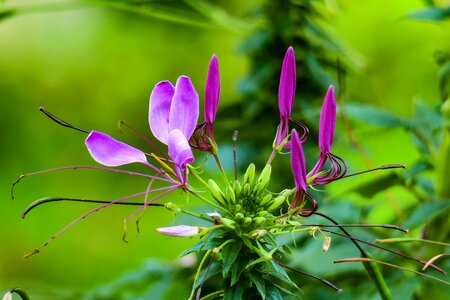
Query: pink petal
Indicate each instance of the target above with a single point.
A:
(112, 153)
(327, 121)
(212, 90)
(184, 108)
(179, 230)
(286, 90)
(298, 162)
(160, 100)
(179, 149)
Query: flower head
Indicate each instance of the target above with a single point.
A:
(173, 117)
(203, 138)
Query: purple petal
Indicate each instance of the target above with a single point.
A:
(184, 108)
(179, 149)
(212, 90)
(160, 100)
(286, 90)
(327, 121)
(179, 230)
(298, 162)
(112, 153)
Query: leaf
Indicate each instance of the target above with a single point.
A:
(258, 281)
(207, 273)
(427, 212)
(375, 116)
(277, 271)
(431, 14)
(197, 247)
(273, 293)
(6, 14)
(237, 268)
(229, 254)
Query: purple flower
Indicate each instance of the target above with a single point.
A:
(173, 116)
(179, 230)
(299, 171)
(203, 138)
(326, 134)
(286, 95)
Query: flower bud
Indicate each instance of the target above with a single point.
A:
(249, 175)
(246, 189)
(247, 221)
(265, 200)
(239, 216)
(237, 188)
(276, 203)
(216, 192)
(228, 223)
(257, 234)
(264, 177)
(172, 207)
(238, 207)
(259, 220)
(231, 197)
(179, 230)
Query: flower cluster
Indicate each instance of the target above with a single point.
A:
(245, 216)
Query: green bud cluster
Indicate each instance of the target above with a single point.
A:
(247, 204)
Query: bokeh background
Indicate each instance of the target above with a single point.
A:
(93, 63)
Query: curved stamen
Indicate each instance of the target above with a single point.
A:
(304, 128)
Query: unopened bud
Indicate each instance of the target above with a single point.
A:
(228, 223)
(239, 216)
(247, 221)
(264, 177)
(172, 207)
(179, 230)
(265, 200)
(237, 188)
(249, 175)
(215, 216)
(246, 190)
(276, 203)
(231, 197)
(216, 192)
(259, 220)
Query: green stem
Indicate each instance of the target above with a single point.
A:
(219, 165)
(197, 274)
(271, 157)
(204, 199)
(212, 295)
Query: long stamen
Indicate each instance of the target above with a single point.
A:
(324, 281)
(385, 167)
(61, 122)
(169, 180)
(37, 250)
(304, 128)
(387, 226)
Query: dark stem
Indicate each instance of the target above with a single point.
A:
(57, 199)
(324, 281)
(235, 135)
(61, 122)
(199, 291)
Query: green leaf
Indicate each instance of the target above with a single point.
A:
(427, 212)
(229, 254)
(197, 247)
(431, 14)
(273, 293)
(277, 271)
(257, 279)
(375, 116)
(208, 272)
(6, 14)
(237, 268)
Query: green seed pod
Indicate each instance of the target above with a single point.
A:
(265, 200)
(247, 221)
(228, 223)
(276, 203)
(249, 175)
(259, 220)
(231, 197)
(217, 193)
(237, 188)
(264, 177)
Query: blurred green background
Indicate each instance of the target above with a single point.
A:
(93, 64)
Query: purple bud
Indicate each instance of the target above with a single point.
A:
(212, 90)
(179, 230)
(327, 121)
(286, 90)
(298, 162)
